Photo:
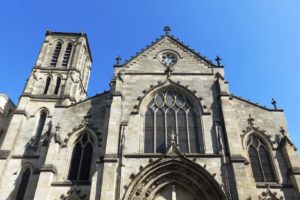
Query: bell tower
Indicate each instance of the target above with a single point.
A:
(62, 69)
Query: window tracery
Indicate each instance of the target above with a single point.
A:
(81, 159)
(260, 160)
(170, 111)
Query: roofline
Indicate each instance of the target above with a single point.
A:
(175, 40)
(252, 103)
(84, 100)
(8, 99)
(81, 34)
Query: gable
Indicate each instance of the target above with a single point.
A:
(149, 60)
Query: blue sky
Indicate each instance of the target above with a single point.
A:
(258, 41)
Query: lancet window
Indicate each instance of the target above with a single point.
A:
(23, 185)
(55, 54)
(58, 80)
(40, 127)
(48, 81)
(81, 159)
(170, 112)
(260, 160)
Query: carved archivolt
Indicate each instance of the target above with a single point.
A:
(173, 170)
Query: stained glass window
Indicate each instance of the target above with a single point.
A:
(81, 159)
(260, 160)
(169, 112)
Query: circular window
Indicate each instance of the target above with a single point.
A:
(168, 58)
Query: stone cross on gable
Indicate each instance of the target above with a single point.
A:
(274, 103)
(167, 29)
(118, 59)
(218, 59)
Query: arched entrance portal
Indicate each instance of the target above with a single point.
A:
(174, 178)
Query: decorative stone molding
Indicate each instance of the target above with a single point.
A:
(4, 154)
(84, 125)
(173, 168)
(48, 168)
(268, 194)
(273, 142)
(168, 83)
(74, 194)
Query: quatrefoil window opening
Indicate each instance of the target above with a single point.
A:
(168, 58)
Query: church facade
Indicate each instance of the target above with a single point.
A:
(168, 129)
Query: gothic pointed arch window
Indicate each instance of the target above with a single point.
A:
(169, 112)
(40, 127)
(23, 184)
(81, 159)
(55, 54)
(260, 160)
(58, 81)
(67, 55)
(47, 85)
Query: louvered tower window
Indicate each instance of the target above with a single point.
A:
(260, 160)
(67, 55)
(23, 184)
(55, 54)
(169, 112)
(81, 159)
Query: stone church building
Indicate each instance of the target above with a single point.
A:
(168, 129)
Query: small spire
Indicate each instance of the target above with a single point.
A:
(167, 29)
(274, 103)
(118, 59)
(218, 59)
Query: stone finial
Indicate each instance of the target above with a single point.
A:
(282, 131)
(251, 120)
(86, 118)
(167, 30)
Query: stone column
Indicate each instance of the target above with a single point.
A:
(110, 161)
(293, 164)
(244, 186)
